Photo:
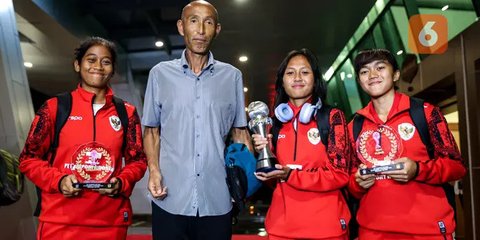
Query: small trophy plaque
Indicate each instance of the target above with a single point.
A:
(92, 166)
(378, 149)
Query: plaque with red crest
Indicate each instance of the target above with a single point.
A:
(93, 165)
(378, 149)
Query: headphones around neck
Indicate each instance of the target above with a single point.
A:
(284, 113)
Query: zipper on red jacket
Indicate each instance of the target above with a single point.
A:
(94, 119)
(295, 125)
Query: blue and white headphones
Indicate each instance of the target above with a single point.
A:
(284, 113)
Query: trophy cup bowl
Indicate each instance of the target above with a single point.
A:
(261, 124)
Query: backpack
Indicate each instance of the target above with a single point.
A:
(64, 107)
(11, 179)
(419, 119)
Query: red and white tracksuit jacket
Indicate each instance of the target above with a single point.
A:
(310, 204)
(414, 208)
(89, 208)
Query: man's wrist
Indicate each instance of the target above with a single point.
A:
(153, 169)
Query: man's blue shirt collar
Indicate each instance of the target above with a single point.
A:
(210, 63)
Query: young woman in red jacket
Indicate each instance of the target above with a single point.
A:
(307, 201)
(409, 203)
(90, 148)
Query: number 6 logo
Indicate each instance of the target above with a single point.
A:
(428, 34)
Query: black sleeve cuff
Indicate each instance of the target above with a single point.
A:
(288, 174)
(120, 185)
(417, 170)
(59, 186)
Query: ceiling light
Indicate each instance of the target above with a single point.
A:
(342, 75)
(243, 58)
(349, 75)
(444, 8)
(400, 52)
(159, 43)
(28, 64)
(245, 89)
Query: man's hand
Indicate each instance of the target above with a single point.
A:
(155, 186)
(365, 181)
(66, 186)
(280, 173)
(407, 173)
(260, 142)
(111, 192)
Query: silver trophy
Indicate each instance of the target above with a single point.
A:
(261, 124)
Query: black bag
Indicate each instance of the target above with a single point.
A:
(240, 165)
(11, 179)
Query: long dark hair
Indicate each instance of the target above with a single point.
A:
(319, 85)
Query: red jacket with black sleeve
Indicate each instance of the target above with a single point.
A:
(310, 204)
(415, 207)
(89, 207)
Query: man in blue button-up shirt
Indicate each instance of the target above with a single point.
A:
(191, 104)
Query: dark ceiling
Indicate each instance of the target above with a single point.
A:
(263, 30)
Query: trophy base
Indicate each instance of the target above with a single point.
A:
(93, 185)
(264, 165)
(383, 168)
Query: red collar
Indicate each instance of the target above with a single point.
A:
(401, 102)
(88, 96)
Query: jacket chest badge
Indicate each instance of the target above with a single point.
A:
(313, 136)
(406, 131)
(115, 123)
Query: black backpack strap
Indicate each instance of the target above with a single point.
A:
(122, 114)
(417, 113)
(64, 107)
(275, 130)
(323, 123)
(357, 125)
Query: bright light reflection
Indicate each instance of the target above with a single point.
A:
(159, 43)
(262, 234)
(28, 64)
(328, 74)
(243, 59)
(5, 5)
